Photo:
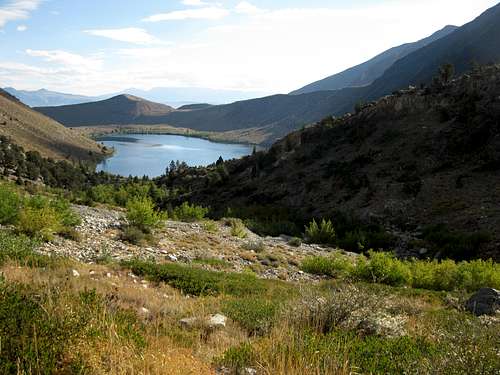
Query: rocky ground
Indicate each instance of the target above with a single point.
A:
(211, 248)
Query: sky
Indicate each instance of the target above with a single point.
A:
(96, 47)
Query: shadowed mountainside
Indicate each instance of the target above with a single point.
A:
(367, 72)
(422, 157)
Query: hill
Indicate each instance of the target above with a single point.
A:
(367, 72)
(419, 158)
(191, 107)
(43, 97)
(121, 109)
(36, 132)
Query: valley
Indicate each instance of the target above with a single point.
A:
(191, 223)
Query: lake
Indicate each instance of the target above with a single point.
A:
(150, 154)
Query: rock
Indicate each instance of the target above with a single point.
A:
(250, 371)
(144, 311)
(486, 301)
(216, 321)
(75, 273)
(188, 322)
(383, 324)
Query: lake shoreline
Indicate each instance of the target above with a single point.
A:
(140, 154)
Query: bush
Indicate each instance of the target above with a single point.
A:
(237, 358)
(383, 268)
(324, 233)
(210, 226)
(142, 214)
(255, 246)
(328, 266)
(42, 218)
(189, 212)
(295, 242)
(256, 315)
(196, 281)
(9, 205)
(133, 235)
(21, 249)
(432, 275)
(238, 229)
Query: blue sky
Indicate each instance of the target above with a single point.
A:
(101, 46)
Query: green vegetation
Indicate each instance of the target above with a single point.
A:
(9, 205)
(386, 269)
(195, 281)
(141, 214)
(238, 228)
(189, 212)
(255, 314)
(324, 233)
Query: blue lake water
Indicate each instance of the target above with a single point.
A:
(150, 154)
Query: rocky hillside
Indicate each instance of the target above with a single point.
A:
(367, 72)
(119, 110)
(419, 157)
(36, 132)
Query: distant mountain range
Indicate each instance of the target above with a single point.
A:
(367, 72)
(41, 98)
(277, 115)
(174, 96)
(36, 132)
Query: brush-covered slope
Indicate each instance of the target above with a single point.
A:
(367, 72)
(119, 110)
(35, 132)
(423, 157)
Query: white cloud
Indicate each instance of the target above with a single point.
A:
(67, 60)
(22, 28)
(130, 35)
(245, 7)
(17, 10)
(208, 13)
(195, 3)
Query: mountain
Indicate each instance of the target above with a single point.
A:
(270, 118)
(42, 98)
(178, 96)
(367, 72)
(424, 157)
(119, 110)
(35, 132)
(194, 107)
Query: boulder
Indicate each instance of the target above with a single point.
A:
(216, 321)
(486, 301)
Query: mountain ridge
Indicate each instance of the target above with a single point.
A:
(365, 73)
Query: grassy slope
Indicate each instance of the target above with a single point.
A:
(35, 132)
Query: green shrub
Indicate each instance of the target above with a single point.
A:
(196, 281)
(328, 266)
(237, 358)
(189, 212)
(383, 268)
(9, 205)
(141, 213)
(256, 315)
(295, 242)
(42, 217)
(214, 262)
(210, 226)
(21, 249)
(238, 229)
(133, 235)
(34, 341)
(42, 223)
(324, 233)
(255, 246)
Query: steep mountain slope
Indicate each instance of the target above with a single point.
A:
(43, 97)
(367, 72)
(36, 132)
(476, 42)
(121, 109)
(423, 157)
